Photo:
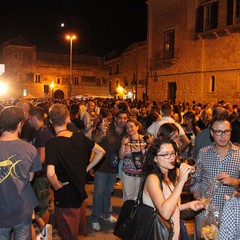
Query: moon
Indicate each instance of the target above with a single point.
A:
(62, 25)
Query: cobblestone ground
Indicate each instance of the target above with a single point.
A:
(107, 228)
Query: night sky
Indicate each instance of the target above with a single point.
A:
(101, 25)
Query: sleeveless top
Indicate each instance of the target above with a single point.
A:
(176, 214)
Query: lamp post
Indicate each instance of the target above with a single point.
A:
(70, 38)
(52, 85)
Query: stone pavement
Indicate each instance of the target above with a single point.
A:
(106, 232)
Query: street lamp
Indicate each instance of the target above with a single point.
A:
(70, 38)
(52, 85)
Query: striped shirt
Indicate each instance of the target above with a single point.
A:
(208, 166)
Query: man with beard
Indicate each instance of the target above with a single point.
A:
(105, 174)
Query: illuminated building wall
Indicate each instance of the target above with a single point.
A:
(193, 50)
(27, 68)
(127, 69)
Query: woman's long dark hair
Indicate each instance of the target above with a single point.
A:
(151, 167)
(191, 116)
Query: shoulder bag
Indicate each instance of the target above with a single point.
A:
(138, 221)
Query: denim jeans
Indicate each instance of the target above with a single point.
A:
(103, 187)
(20, 232)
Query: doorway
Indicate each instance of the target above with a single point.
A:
(172, 89)
(59, 94)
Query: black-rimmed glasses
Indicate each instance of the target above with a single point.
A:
(220, 132)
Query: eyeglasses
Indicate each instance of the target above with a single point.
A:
(220, 132)
(167, 155)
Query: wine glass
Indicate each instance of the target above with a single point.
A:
(190, 161)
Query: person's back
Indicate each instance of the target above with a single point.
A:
(67, 164)
(18, 162)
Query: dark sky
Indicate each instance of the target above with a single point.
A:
(101, 25)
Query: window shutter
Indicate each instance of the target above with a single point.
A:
(199, 19)
(214, 15)
(229, 12)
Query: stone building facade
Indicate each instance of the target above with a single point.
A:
(127, 71)
(193, 50)
(29, 71)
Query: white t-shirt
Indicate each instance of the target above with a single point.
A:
(153, 129)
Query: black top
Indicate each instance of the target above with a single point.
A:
(70, 158)
(235, 137)
(27, 132)
(39, 140)
(201, 125)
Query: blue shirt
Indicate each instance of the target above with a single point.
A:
(17, 199)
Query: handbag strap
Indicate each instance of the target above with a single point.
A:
(141, 188)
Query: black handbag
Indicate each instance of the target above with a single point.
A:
(138, 221)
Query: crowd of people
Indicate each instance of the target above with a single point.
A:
(49, 147)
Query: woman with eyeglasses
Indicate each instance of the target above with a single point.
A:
(163, 186)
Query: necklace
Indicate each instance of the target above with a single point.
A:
(64, 130)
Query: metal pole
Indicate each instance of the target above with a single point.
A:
(71, 82)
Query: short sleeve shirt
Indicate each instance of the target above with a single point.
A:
(39, 140)
(70, 157)
(17, 199)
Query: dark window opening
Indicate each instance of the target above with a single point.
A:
(207, 17)
(168, 47)
(117, 69)
(213, 83)
(37, 78)
(75, 80)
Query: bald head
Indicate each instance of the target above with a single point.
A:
(220, 111)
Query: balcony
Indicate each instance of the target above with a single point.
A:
(158, 62)
(218, 32)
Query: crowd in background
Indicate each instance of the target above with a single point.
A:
(118, 136)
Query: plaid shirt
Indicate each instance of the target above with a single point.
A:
(230, 226)
(208, 165)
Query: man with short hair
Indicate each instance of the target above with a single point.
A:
(87, 119)
(218, 162)
(204, 139)
(27, 131)
(167, 112)
(40, 182)
(105, 174)
(67, 158)
(18, 162)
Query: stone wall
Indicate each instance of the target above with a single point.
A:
(198, 58)
(25, 63)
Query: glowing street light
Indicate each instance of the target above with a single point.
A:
(71, 38)
(3, 88)
(52, 85)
